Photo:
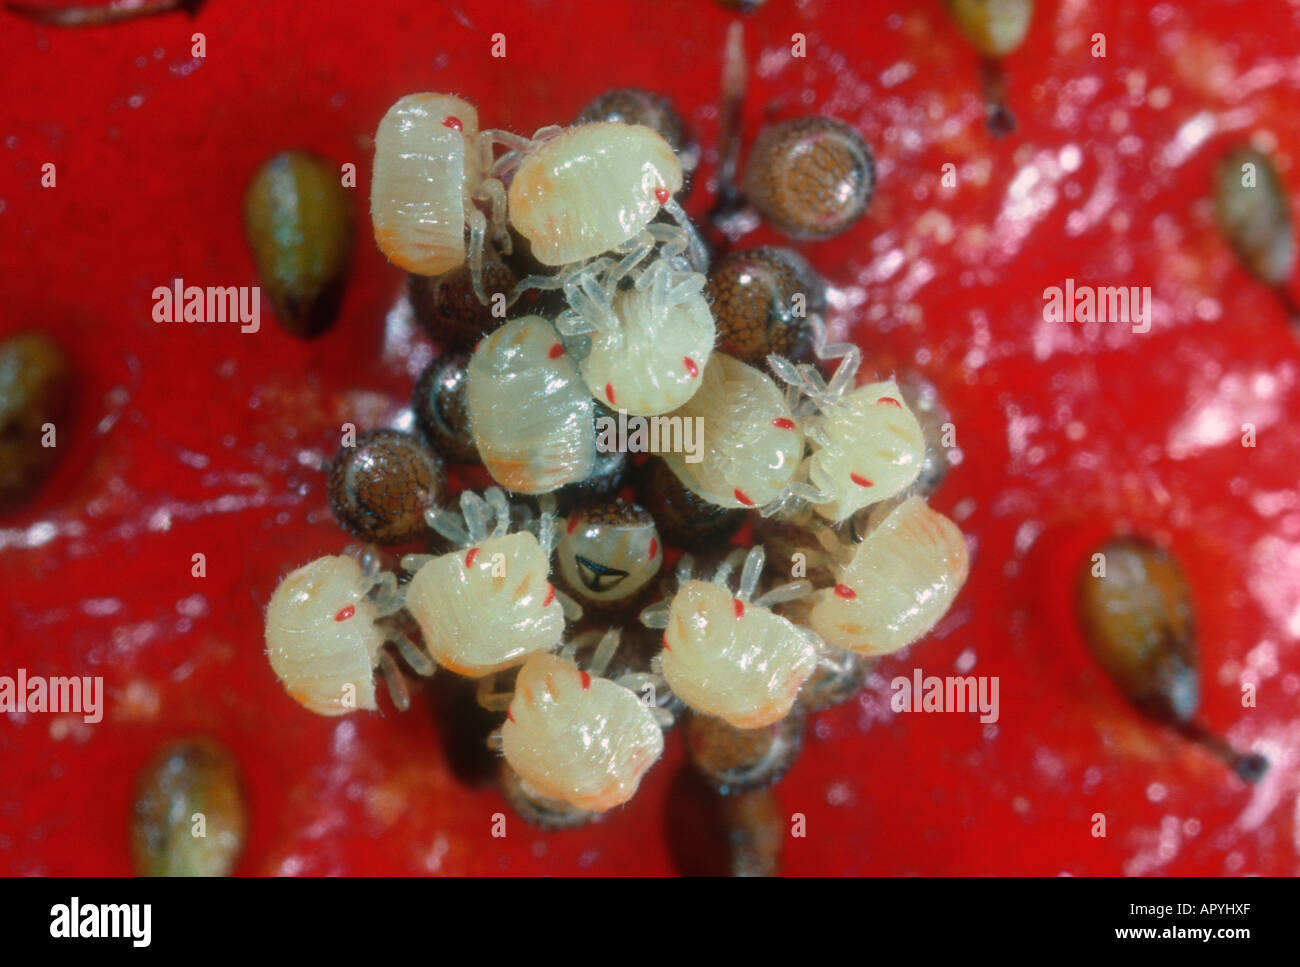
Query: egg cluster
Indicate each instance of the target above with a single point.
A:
(550, 587)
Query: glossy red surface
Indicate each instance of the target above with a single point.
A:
(199, 439)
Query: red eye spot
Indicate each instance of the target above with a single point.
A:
(738, 606)
(662, 195)
(609, 392)
(550, 595)
(510, 714)
(691, 368)
(845, 592)
(453, 122)
(534, 295)
(782, 423)
(743, 497)
(889, 400)
(860, 480)
(586, 680)
(345, 613)
(654, 549)
(556, 351)
(666, 648)
(573, 523)
(469, 557)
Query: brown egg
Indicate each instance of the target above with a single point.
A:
(734, 760)
(380, 488)
(761, 300)
(35, 391)
(449, 311)
(439, 406)
(811, 177)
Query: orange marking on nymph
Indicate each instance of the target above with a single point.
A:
(573, 523)
(556, 351)
(666, 647)
(586, 679)
(510, 714)
(609, 392)
(890, 401)
(738, 606)
(550, 594)
(845, 592)
(453, 122)
(662, 195)
(860, 480)
(654, 549)
(743, 497)
(783, 423)
(691, 368)
(345, 613)
(469, 557)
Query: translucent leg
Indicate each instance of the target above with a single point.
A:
(572, 610)
(420, 662)
(474, 509)
(590, 299)
(604, 652)
(695, 249)
(547, 524)
(785, 592)
(494, 193)
(393, 680)
(656, 615)
(488, 697)
(386, 595)
(641, 246)
(477, 234)
(495, 499)
(449, 525)
(753, 570)
(413, 562)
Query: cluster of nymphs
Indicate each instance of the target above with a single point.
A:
(852, 562)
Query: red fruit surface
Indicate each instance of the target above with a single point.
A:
(201, 439)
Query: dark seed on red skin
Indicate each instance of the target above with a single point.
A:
(733, 760)
(682, 516)
(810, 177)
(299, 225)
(449, 311)
(1255, 218)
(440, 410)
(753, 296)
(35, 389)
(184, 778)
(1138, 623)
(632, 105)
(380, 488)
